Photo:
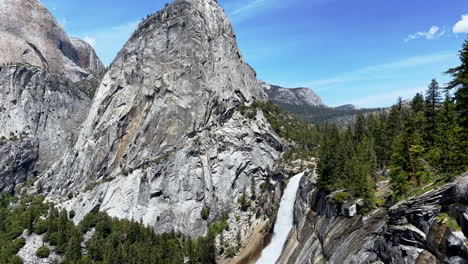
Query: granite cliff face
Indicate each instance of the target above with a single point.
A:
(164, 137)
(295, 96)
(40, 113)
(86, 57)
(412, 231)
(29, 34)
(46, 81)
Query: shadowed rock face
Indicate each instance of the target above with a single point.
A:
(40, 113)
(86, 57)
(408, 232)
(17, 159)
(164, 138)
(29, 34)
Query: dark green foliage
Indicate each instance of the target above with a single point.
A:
(253, 193)
(460, 84)
(114, 241)
(205, 212)
(288, 126)
(14, 222)
(340, 197)
(15, 260)
(244, 201)
(43, 252)
(40, 187)
(420, 143)
(459, 134)
(347, 160)
(71, 214)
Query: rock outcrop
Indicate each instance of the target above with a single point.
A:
(292, 96)
(86, 57)
(40, 113)
(29, 34)
(413, 231)
(164, 137)
(347, 107)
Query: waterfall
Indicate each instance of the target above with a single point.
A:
(284, 222)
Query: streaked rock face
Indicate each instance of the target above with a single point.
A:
(18, 155)
(86, 57)
(40, 113)
(41, 101)
(29, 34)
(164, 137)
(408, 232)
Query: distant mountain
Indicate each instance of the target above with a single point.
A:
(30, 35)
(293, 96)
(307, 105)
(347, 107)
(324, 114)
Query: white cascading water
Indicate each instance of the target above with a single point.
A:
(284, 223)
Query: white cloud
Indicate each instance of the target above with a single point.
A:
(91, 41)
(462, 25)
(433, 33)
(248, 6)
(376, 72)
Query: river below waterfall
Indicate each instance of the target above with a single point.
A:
(284, 223)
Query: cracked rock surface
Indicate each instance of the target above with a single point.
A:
(40, 113)
(164, 137)
(29, 34)
(408, 232)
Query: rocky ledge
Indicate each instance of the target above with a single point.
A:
(431, 228)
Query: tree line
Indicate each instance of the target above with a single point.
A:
(111, 240)
(418, 142)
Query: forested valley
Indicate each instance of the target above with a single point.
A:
(417, 144)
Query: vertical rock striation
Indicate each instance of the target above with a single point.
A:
(29, 34)
(40, 113)
(164, 137)
(409, 232)
(46, 80)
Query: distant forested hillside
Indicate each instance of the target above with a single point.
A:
(323, 114)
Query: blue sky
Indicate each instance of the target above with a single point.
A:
(365, 52)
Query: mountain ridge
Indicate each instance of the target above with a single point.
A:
(158, 168)
(292, 96)
(30, 34)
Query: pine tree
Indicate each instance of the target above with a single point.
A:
(30, 219)
(433, 101)
(62, 237)
(73, 251)
(417, 104)
(399, 169)
(460, 84)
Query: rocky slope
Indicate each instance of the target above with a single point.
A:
(413, 231)
(40, 113)
(164, 137)
(29, 34)
(295, 96)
